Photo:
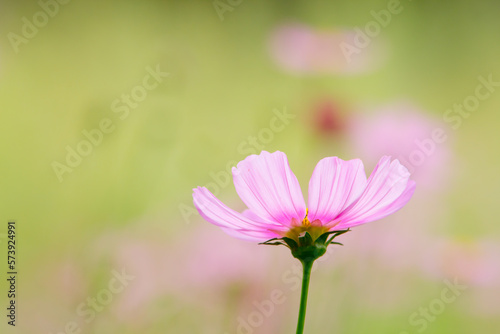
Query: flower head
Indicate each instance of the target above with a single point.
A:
(340, 197)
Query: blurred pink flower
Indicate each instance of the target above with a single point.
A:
(340, 197)
(472, 262)
(405, 132)
(210, 264)
(388, 256)
(60, 285)
(203, 268)
(300, 49)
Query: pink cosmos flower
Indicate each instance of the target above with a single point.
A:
(340, 197)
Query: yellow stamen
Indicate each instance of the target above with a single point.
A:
(305, 221)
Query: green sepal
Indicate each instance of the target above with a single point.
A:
(290, 243)
(269, 243)
(305, 240)
(335, 234)
(322, 238)
(277, 243)
(309, 253)
(335, 243)
(305, 248)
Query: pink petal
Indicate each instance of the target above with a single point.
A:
(334, 185)
(266, 184)
(388, 210)
(248, 235)
(215, 212)
(387, 183)
(252, 216)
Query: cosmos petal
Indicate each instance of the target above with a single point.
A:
(399, 203)
(266, 184)
(249, 235)
(334, 185)
(387, 183)
(217, 213)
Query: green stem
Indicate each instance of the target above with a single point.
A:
(307, 265)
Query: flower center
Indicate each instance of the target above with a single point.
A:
(315, 228)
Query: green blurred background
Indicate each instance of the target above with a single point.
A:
(128, 203)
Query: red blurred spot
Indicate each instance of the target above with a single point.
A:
(327, 118)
